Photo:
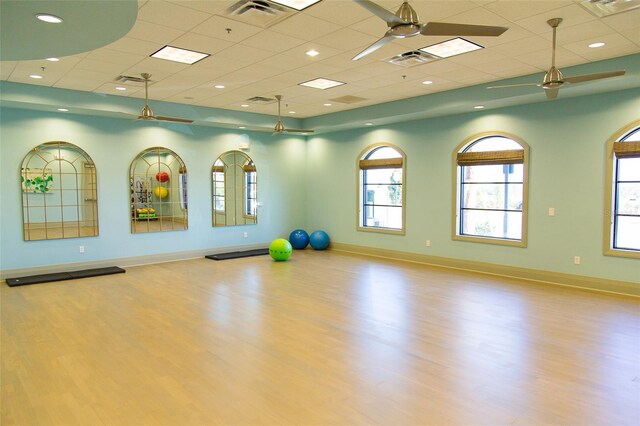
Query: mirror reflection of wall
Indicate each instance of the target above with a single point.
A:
(234, 186)
(158, 187)
(59, 193)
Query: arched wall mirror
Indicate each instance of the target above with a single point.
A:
(158, 180)
(235, 185)
(59, 193)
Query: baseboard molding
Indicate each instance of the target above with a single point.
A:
(557, 278)
(126, 261)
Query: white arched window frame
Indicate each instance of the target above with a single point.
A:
(381, 189)
(622, 193)
(490, 176)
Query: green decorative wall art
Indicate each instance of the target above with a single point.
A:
(36, 180)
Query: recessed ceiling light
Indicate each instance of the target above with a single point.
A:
(63, 109)
(322, 83)
(427, 82)
(312, 52)
(244, 106)
(122, 89)
(219, 86)
(455, 46)
(176, 54)
(242, 127)
(598, 44)
(292, 112)
(47, 17)
(53, 59)
(368, 124)
(296, 4)
(36, 76)
(327, 104)
(478, 107)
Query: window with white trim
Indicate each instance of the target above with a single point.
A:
(624, 227)
(380, 189)
(491, 182)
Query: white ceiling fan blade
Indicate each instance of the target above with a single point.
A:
(595, 76)
(552, 93)
(375, 46)
(380, 12)
(505, 86)
(448, 29)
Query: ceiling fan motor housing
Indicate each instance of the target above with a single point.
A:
(552, 79)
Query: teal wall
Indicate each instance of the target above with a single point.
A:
(113, 144)
(312, 183)
(567, 141)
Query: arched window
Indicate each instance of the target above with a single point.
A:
(622, 226)
(491, 190)
(381, 170)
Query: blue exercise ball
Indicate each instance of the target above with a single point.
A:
(299, 239)
(319, 240)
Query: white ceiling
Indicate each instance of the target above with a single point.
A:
(254, 61)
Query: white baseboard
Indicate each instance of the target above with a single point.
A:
(125, 261)
(557, 278)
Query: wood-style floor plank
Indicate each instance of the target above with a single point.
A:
(322, 339)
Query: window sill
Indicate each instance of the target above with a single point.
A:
(494, 241)
(622, 253)
(381, 230)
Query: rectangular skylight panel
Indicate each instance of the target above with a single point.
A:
(296, 4)
(455, 46)
(322, 83)
(176, 54)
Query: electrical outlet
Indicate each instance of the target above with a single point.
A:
(246, 234)
(576, 260)
(428, 243)
(552, 211)
(81, 248)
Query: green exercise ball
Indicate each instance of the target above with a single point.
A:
(280, 249)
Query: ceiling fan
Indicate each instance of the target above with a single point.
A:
(405, 23)
(554, 79)
(147, 113)
(280, 125)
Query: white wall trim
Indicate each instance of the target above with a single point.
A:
(625, 288)
(125, 261)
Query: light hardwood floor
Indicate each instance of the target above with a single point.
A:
(323, 339)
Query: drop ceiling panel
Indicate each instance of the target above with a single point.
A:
(200, 43)
(345, 38)
(305, 27)
(171, 15)
(208, 6)
(148, 31)
(272, 41)
(217, 27)
(440, 10)
(571, 15)
(517, 10)
(133, 46)
(624, 21)
(349, 11)
(114, 57)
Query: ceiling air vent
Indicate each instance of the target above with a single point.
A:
(261, 13)
(129, 79)
(261, 100)
(412, 58)
(601, 8)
